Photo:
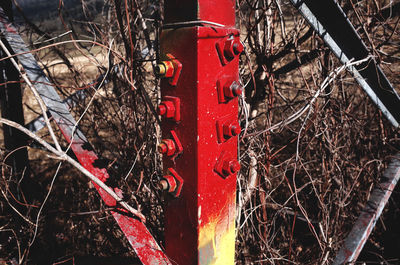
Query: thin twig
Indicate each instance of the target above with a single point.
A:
(63, 156)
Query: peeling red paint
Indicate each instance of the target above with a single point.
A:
(8, 26)
(136, 232)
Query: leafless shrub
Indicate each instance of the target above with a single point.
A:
(320, 147)
(312, 147)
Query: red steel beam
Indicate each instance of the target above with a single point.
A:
(201, 50)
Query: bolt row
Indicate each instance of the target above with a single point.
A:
(228, 49)
(170, 108)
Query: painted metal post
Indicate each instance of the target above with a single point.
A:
(200, 48)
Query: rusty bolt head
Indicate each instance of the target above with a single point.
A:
(165, 69)
(232, 89)
(162, 148)
(235, 166)
(235, 130)
(175, 182)
(167, 146)
(162, 109)
(236, 88)
(160, 69)
(168, 183)
(163, 184)
(232, 48)
(166, 108)
(237, 47)
(230, 167)
(231, 129)
(228, 49)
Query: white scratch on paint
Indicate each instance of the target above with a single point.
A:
(199, 214)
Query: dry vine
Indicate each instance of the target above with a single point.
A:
(312, 146)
